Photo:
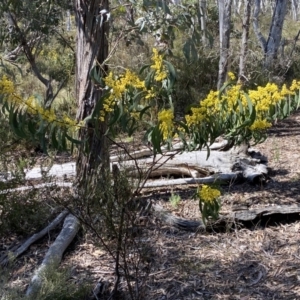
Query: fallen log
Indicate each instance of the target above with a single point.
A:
(251, 214)
(198, 164)
(12, 255)
(54, 255)
(200, 167)
(217, 178)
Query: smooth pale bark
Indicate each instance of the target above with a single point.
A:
(294, 8)
(261, 39)
(54, 254)
(275, 33)
(20, 250)
(244, 42)
(271, 45)
(224, 32)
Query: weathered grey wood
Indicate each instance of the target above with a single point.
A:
(180, 223)
(63, 170)
(223, 166)
(12, 255)
(218, 178)
(230, 164)
(54, 255)
(251, 214)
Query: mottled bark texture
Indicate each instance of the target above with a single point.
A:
(92, 50)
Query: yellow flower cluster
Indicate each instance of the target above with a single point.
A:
(166, 126)
(158, 66)
(118, 87)
(295, 86)
(260, 125)
(7, 89)
(231, 76)
(208, 194)
(263, 98)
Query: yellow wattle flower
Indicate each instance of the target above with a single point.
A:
(208, 194)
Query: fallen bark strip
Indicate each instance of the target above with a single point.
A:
(180, 223)
(251, 214)
(12, 255)
(55, 252)
(236, 216)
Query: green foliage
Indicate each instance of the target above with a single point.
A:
(209, 202)
(175, 200)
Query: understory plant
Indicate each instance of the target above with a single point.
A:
(132, 102)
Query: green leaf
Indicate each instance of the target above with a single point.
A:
(172, 73)
(190, 51)
(99, 106)
(144, 68)
(144, 111)
(156, 139)
(53, 132)
(96, 77)
(250, 104)
(285, 109)
(73, 140)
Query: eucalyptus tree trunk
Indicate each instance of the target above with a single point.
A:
(275, 33)
(224, 31)
(271, 45)
(245, 38)
(294, 8)
(203, 16)
(91, 52)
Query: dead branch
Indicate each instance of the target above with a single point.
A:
(54, 255)
(12, 255)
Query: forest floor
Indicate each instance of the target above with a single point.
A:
(261, 261)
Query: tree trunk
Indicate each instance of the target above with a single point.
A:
(295, 10)
(259, 35)
(224, 29)
(245, 37)
(203, 16)
(275, 33)
(92, 50)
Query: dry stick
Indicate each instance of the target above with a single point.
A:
(55, 252)
(34, 238)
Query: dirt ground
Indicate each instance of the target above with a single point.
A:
(261, 261)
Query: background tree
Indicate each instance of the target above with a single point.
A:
(245, 39)
(271, 44)
(224, 36)
(30, 25)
